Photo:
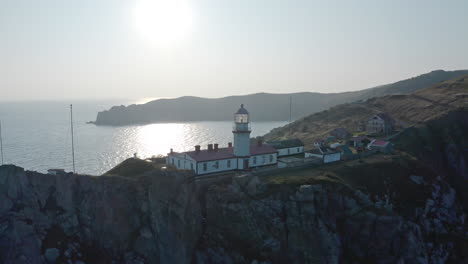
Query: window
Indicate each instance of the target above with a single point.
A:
(191, 166)
(216, 165)
(229, 163)
(204, 167)
(298, 150)
(254, 160)
(263, 159)
(271, 158)
(172, 161)
(178, 163)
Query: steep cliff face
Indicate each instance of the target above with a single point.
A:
(95, 219)
(166, 217)
(331, 222)
(442, 144)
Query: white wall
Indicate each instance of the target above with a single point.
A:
(292, 151)
(262, 160)
(331, 157)
(326, 158)
(181, 161)
(241, 144)
(216, 166)
(308, 155)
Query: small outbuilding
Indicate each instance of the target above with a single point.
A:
(326, 154)
(319, 142)
(56, 171)
(380, 145)
(359, 141)
(288, 147)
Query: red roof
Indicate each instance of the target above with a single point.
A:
(263, 149)
(228, 153)
(380, 143)
(205, 155)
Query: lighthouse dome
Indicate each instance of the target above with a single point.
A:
(242, 111)
(242, 115)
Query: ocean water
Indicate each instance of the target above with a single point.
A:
(37, 136)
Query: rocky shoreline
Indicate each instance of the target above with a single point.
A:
(165, 217)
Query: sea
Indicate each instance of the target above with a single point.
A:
(37, 136)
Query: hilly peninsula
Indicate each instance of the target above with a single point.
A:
(267, 107)
(408, 110)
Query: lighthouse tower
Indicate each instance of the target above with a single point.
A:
(241, 133)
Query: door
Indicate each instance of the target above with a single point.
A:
(246, 164)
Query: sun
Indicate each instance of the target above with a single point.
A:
(163, 22)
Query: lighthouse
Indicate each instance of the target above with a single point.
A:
(241, 133)
(239, 156)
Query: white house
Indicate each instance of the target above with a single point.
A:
(326, 154)
(380, 123)
(240, 156)
(288, 147)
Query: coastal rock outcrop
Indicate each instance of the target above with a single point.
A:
(167, 217)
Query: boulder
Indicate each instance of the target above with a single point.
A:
(51, 255)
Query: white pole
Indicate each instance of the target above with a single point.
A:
(73, 143)
(1, 143)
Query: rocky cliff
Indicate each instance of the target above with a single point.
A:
(396, 211)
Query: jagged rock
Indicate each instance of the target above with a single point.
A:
(417, 179)
(246, 184)
(51, 255)
(166, 219)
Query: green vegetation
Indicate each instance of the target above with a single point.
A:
(377, 175)
(131, 168)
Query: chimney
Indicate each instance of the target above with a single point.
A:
(197, 148)
(259, 142)
(230, 145)
(172, 151)
(216, 147)
(210, 147)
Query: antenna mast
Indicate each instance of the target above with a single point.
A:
(1, 143)
(290, 109)
(73, 143)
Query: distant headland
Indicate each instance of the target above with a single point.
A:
(267, 107)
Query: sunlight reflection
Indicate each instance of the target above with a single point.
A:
(158, 138)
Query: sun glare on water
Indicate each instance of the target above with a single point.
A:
(163, 22)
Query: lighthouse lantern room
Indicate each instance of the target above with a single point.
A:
(241, 133)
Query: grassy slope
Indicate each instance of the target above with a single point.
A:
(413, 109)
(376, 175)
(131, 168)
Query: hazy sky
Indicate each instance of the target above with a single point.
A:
(83, 49)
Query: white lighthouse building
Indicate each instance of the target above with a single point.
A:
(241, 131)
(241, 156)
